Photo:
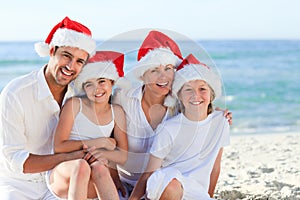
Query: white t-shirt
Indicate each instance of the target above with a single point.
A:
(191, 146)
(139, 132)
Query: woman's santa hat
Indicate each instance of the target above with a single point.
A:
(67, 33)
(192, 69)
(157, 49)
(104, 64)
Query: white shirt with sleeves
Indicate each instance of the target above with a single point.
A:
(28, 118)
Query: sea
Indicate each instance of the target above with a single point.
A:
(261, 78)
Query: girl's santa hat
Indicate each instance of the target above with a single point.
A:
(104, 64)
(192, 69)
(157, 49)
(67, 33)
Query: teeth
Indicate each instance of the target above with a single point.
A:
(99, 95)
(66, 72)
(196, 102)
(162, 84)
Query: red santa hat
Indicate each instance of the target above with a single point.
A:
(192, 69)
(67, 33)
(104, 64)
(157, 49)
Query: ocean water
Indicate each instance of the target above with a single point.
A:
(261, 78)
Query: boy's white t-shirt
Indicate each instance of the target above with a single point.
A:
(191, 146)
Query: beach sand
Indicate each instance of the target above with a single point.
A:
(261, 167)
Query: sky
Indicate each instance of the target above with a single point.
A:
(197, 19)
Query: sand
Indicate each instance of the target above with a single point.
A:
(265, 166)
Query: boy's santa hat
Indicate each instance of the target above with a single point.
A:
(192, 69)
(104, 64)
(67, 33)
(157, 49)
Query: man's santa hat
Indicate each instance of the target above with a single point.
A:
(67, 33)
(157, 49)
(104, 64)
(192, 69)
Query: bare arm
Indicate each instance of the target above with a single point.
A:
(118, 155)
(64, 127)
(41, 163)
(214, 176)
(140, 187)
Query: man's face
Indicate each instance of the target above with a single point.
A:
(65, 64)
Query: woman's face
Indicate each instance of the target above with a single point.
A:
(159, 79)
(195, 96)
(98, 90)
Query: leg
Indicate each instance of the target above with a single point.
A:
(173, 191)
(103, 182)
(70, 179)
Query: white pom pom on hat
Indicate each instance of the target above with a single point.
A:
(67, 33)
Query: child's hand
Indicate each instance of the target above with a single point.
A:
(110, 144)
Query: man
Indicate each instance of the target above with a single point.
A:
(29, 112)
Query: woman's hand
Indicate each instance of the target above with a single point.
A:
(227, 114)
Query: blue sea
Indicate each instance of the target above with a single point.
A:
(261, 79)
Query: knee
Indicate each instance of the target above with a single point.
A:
(173, 190)
(99, 170)
(81, 168)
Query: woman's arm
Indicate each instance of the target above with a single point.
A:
(214, 176)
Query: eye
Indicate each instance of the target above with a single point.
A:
(169, 67)
(81, 62)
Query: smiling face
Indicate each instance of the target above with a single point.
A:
(195, 96)
(98, 90)
(159, 79)
(64, 65)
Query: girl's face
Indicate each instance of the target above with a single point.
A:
(159, 79)
(98, 90)
(195, 96)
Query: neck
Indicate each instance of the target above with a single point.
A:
(99, 107)
(58, 91)
(195, 115)
(152, 98)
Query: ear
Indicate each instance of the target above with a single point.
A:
(52, 50)
(142, 78)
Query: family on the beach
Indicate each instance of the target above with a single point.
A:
(79, 129)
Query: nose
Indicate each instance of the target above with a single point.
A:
(71, 65)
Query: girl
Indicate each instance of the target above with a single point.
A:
(89, 120)
(186, 154)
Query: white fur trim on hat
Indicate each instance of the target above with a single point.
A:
(197, 72)
(67, 37)
(154, 58)
(95, 70)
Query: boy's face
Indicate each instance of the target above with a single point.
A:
(65, 64)
(195, 96)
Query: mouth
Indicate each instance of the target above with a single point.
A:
(196, 102)
(165, 84)
(66, 71)
(99, 95)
